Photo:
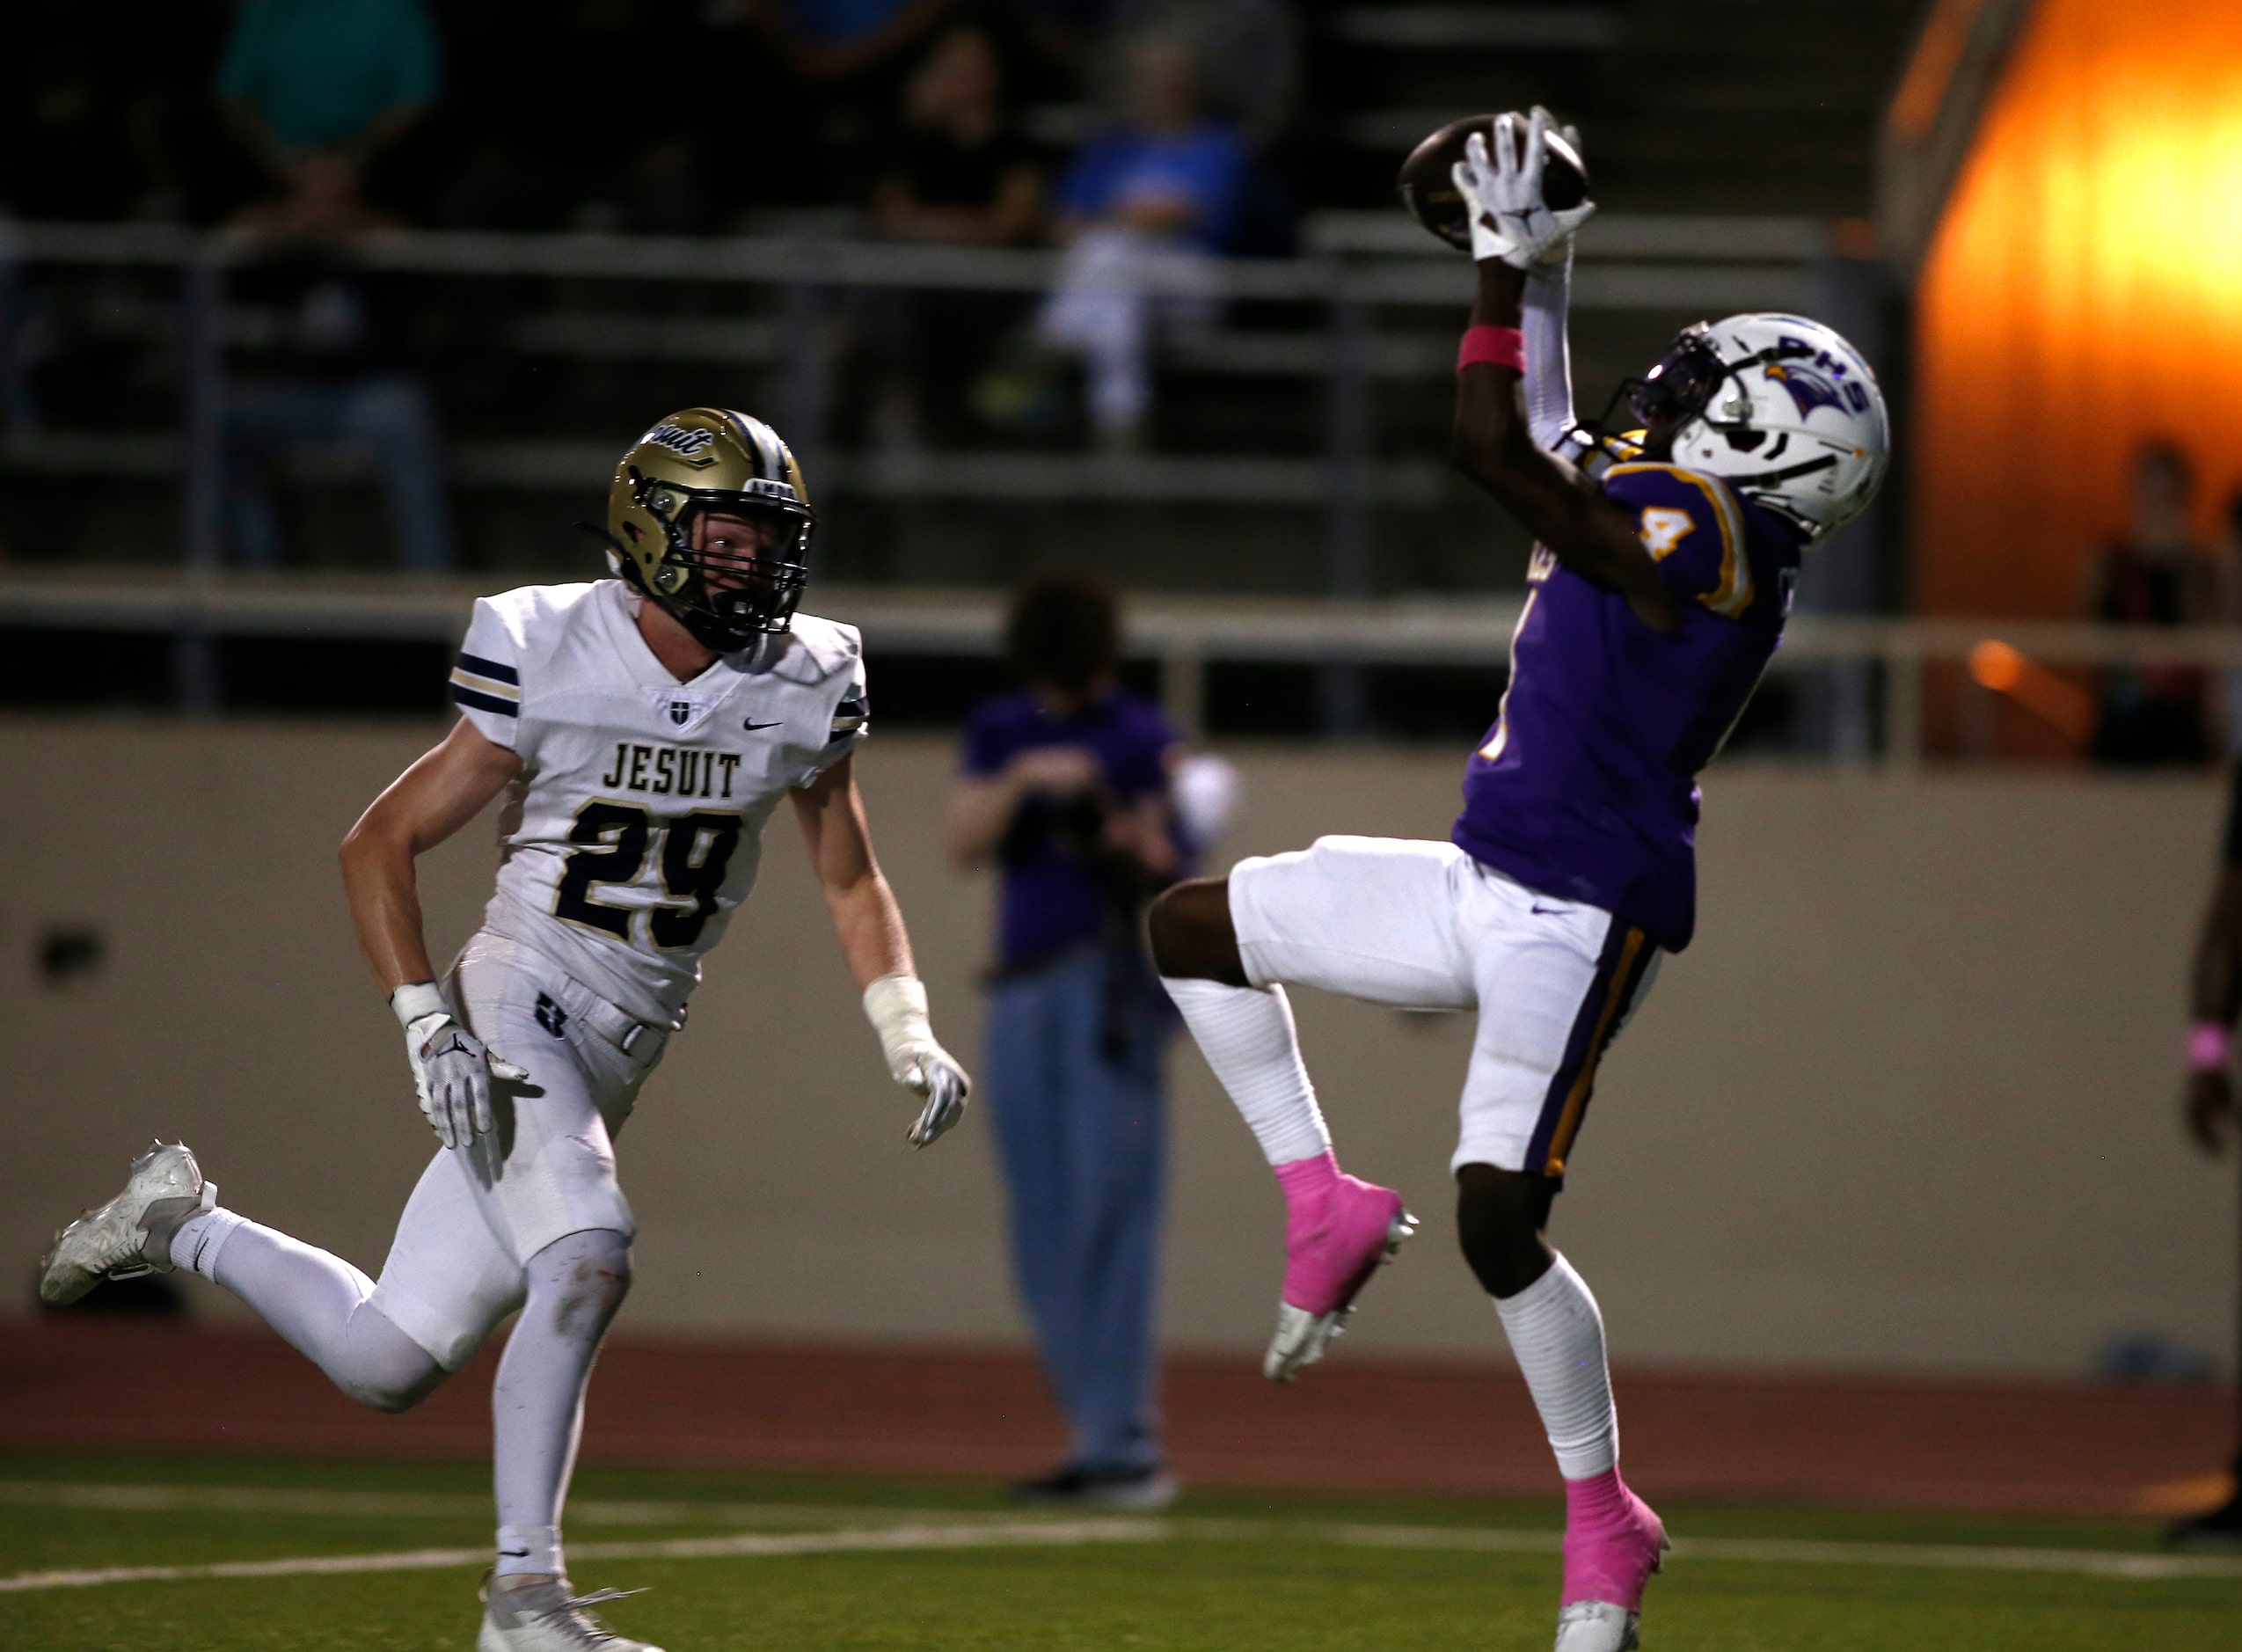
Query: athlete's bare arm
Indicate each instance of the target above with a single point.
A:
(1559, 504)
(865, 913)
(449, 787)
(2215, 993)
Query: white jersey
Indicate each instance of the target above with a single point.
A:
(636, 824)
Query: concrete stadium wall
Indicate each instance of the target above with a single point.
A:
(1907, 1103)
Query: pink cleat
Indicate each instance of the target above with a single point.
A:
(1338, 1231)
(1612, 1545)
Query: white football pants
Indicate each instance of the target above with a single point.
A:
(1423, 925)
(455, 1268)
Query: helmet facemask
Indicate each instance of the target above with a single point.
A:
(1679, 387)
(726, 600)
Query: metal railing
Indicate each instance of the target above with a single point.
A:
(1884, 660)
(1362, 272)
(1358, 268)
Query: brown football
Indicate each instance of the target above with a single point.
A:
(1428, 188)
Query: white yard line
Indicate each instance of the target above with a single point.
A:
(925, 1529)
(1013, 1534)
(47, 1494)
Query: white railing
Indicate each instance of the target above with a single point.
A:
(1886, 657)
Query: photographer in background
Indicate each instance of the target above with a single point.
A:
(1066, 790)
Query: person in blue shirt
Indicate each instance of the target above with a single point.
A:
(1141, 211)
(1065, 791)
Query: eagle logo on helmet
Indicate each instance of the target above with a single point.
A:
(1807, 388)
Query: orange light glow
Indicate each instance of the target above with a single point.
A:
(2054, 700)
(1996, 666)
(2084, 292)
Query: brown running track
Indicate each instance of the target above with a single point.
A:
(1353, 1423)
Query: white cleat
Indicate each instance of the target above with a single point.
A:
(1598, 1626)
(546, 1618)
(1302, 1337)
(130, 1235)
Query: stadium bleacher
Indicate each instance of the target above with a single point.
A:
(1295, 447)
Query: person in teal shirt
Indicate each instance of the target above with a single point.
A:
(340, 76)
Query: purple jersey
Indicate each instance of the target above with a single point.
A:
(1586, 786)
(1051, 900)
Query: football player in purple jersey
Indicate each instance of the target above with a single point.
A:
(1657, 594)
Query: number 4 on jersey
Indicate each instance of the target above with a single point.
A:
(1663, 530)
(696, 849)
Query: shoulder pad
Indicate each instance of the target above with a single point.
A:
(1693, 526)
(528, 610)
(817, 650)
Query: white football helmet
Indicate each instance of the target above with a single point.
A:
(1781, 408)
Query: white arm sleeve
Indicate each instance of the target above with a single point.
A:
(486, 678)
(1549, 362)
(852, 722)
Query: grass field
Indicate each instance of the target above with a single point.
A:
(385, 1555)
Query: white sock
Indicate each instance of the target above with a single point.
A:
(576, 1283)
(1247, 1036)
(1558, 1335)
(196, 1242)
(317, 1301)
(532, 1550)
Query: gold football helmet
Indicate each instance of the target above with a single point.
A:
(709, 461)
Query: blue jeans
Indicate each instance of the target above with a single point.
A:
(386, 415)
(1081, 1136)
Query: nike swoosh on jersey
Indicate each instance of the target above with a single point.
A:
(751, 724)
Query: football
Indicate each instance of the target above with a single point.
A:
(1428, 189)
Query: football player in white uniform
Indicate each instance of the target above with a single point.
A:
(642, 729)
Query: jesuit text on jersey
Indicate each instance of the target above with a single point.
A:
(672, 770)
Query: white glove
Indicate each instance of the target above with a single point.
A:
(1503, 194)
(896, 1007)
(451, 1070)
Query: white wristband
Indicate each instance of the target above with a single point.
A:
(896, 1007)
(416, 1000)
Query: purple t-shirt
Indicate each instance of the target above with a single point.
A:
(1585, 788)
(1050, 903)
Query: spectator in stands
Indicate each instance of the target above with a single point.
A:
(317, 87)
(1247, 53)
(959, 170)
(847, 59)
(331, 371)
(958, 173)
(1142, 211)
(323, 83)
(1065, 788)
(2156, 576)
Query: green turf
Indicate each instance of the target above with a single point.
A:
(1238, 1572)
